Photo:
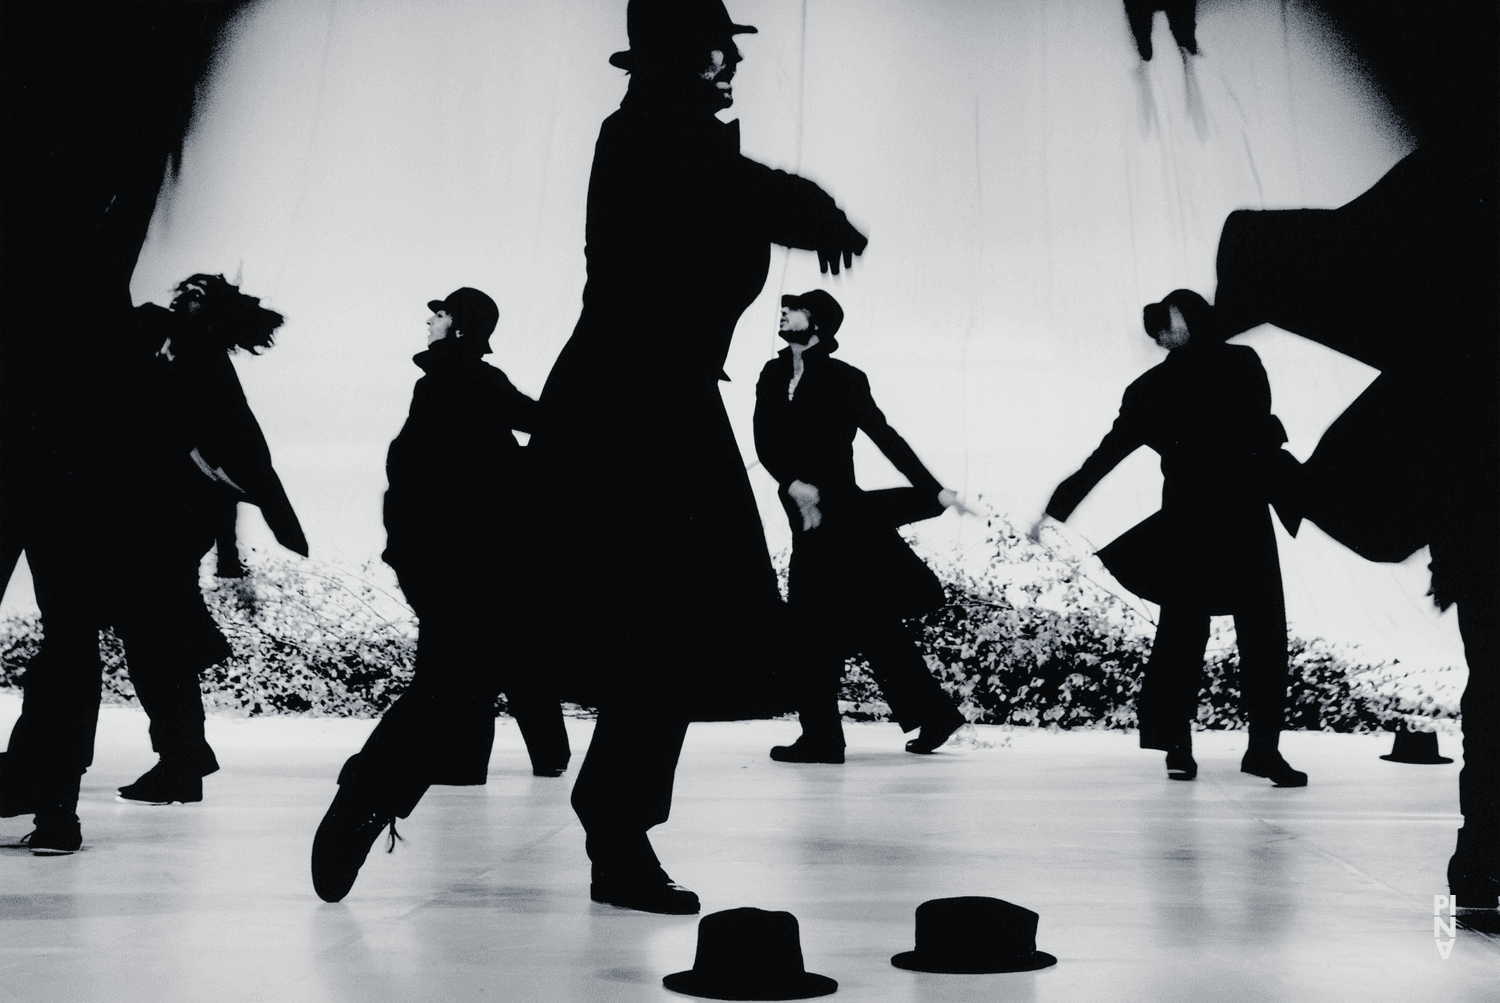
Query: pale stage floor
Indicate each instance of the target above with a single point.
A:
(1221, 889)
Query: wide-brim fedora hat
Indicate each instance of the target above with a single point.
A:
(1418, 747)
(974, 935)
(749, 954)
(663, 24)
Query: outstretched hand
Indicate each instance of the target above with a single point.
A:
(948, 498)
(845, 244)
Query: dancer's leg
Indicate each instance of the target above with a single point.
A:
(1261, 628)
(624, 788)
(1474, 872)
(1168, 703)
(916, 698)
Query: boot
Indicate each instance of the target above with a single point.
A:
(164, 783)
(935, 733)
(805, 751)
(57, 833)
(1180, 762)
(343, 840)
(626, 873)
(1474, 872)
(1268, 763)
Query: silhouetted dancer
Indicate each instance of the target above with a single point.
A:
(1211, 549)
(452, 515)
(105, 129)
(179, 444)
(666, 597)
(1182, 20)
(855, 586)
(1406, 278)
(193, 450)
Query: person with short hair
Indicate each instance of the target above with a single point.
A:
(453, 513)
(855, 587)
(1211, 549)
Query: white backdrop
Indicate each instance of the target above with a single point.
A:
(1026, 183)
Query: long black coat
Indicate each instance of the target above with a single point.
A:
(458, 478)
(656, 542)
(183, 442)
(1405, 278)
(855, 559)
(1207, 411)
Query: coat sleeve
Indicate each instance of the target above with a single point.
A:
(769, 435)
(794, 210)
(1124, 438)
(871, 420)
(519, 411)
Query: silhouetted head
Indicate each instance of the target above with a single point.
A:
(682, 47)
(1181, 316)
(463, 320)
(217, 316)
(812, 313)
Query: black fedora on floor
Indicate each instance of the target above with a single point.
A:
(1416, 747)
(974, 935)
(749, 954)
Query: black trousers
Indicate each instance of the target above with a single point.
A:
(625, 785)
(1169, 692)
(442, 729)
(1479, 780)
(169, 638)
(891, 645)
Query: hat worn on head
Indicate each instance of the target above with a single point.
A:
(749, 954)
(1196, 312)
(474, 314)
(823, 310)
(973, 935)
(659, 24)
(1419, 747)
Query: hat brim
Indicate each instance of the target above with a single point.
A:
(806, 986)
(625, 58)
(436, 305)
(912, 961)
(1391, 757)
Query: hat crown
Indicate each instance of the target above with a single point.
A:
(975, 926)
(753, 945)
(651, 22)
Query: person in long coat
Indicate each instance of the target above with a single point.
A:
(663, 586)
(180, 445)
(854, 585)
(1211, 549)
(1406, 279)
(453, 519)
(192, 448)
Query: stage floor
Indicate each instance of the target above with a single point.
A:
(1220, 889)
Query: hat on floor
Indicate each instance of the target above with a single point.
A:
(1416, 747)
(972, 935)
(749, 954)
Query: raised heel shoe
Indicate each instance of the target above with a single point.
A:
(164, 784)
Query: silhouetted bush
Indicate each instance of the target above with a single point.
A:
(1032, 634)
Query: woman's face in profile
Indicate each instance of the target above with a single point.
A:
(1177, 334)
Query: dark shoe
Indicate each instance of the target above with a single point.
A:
(343, 841)
(1474, 874)
(164, 783)
(659, 894)
(934, 734)
(57, 834)
(803, 751)
(1274, 768)
(548, 770)
(1180, 762)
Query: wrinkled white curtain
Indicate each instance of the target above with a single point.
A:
(1026, 182)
